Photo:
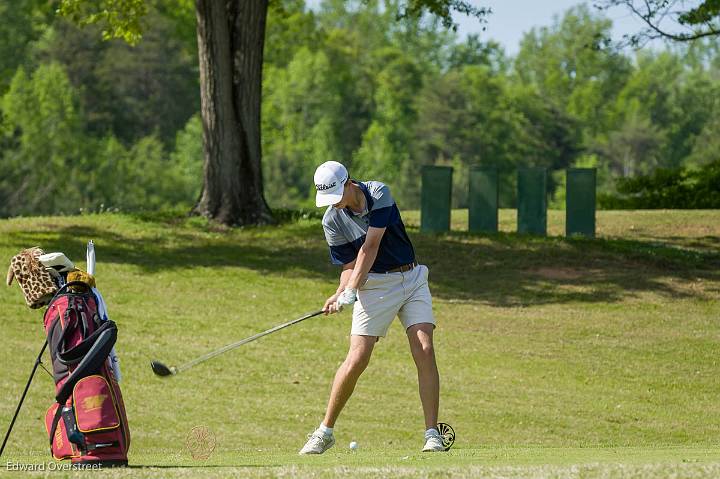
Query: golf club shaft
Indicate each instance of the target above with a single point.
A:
(229, 347)
(22, 399)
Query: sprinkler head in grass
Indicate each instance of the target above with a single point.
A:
(161, 370)
(447, 433)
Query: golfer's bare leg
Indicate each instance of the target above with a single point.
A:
(347, 375)
(421, 346)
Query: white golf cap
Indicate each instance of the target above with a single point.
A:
(330, 179)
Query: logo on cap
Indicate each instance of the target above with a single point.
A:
(321, 187)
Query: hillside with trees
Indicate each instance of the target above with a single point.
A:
(88, 124)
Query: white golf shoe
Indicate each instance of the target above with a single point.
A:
(317, 443)
(433, 443)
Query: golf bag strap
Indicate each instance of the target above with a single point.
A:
(67, 327)
(57, 344)
(76, 354)
(54, 337)
(92, 362)
(56, 420)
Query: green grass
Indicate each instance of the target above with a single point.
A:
(558, 358)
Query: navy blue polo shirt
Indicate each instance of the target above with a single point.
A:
(345, 231)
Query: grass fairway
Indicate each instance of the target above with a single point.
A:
(558, 358)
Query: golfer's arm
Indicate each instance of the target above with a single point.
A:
(345, 276)
(366, 256)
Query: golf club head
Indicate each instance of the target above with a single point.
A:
(161, 370)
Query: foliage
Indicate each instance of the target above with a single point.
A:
(118, 18)
(188, 158)
(50, 165)
(21, 23)
(566, 66)
(290, 27)
(688, 21)
(665, 188)
(373, 84)
(300, 105)
(288, 215)
(129, 91)
(706, 145)
(42, 127)
(384, 153)
(443, 9)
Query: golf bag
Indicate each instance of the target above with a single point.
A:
(87, 424)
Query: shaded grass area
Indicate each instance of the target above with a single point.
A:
(690, 229)
(552, 351)
(501, 269)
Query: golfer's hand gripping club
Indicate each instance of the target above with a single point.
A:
(346, 298)
(336, 302)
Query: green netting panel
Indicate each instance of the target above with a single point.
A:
(580, 202)
(435, 199)
(532, 201)
(483, 200)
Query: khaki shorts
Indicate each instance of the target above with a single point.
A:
(384, 296)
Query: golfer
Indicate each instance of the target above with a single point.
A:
(381, 279)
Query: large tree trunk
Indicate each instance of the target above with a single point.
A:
(231, 35)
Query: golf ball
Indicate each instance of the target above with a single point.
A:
(353, 445)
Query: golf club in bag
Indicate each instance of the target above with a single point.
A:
(162, 370)
(22, 399)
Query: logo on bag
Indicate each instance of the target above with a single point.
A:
(92, 403)
(200, 442)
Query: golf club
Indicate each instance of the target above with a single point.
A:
(22, 399)
(162, 370)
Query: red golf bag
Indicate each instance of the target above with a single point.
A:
(87, 424)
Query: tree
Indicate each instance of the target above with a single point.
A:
(384, 150)
(706, 145)
(187, 157)
(475, 52)
(43, 138)
(667, 101)
(231, 36)
(634, 147)
(49, 165)
(474, 115)
(666, 19)
(230, 49)
(290, 27)
(301, 122)
(21, 23)
(129, 91)
(568, 67)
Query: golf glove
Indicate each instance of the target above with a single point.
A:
(348, 297)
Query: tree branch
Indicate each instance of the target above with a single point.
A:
(656, 12)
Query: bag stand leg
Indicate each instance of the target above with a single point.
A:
(22, 399)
